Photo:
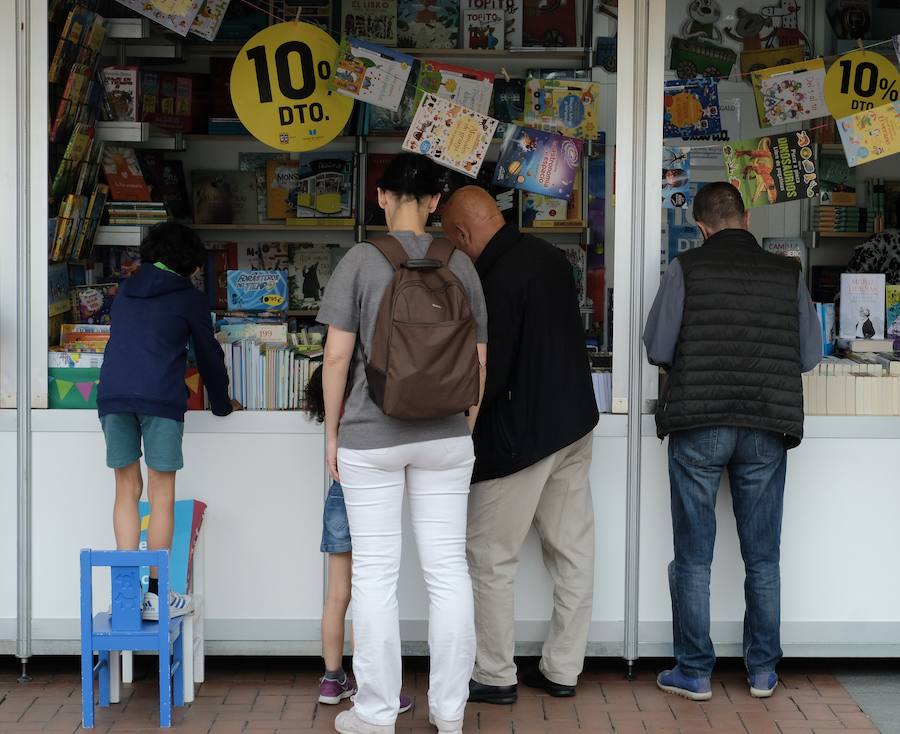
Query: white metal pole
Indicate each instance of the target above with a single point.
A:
(23, 340)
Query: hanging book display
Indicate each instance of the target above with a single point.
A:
(470, 88)
(209, 19)
(540, 162)
(676, 178)
(870, 135)
(450, 134)
(372, 74)
(772, 169)
(173, 15)
(691, 108)
(570, 108)
(790, 93)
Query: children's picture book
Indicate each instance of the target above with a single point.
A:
(537, 161)
(547, 211)
(175, 102)
(825, 312)
(58, 300)
(508, 103)
(371, 73)
(870, 135)
(308, 274)
(892, 308)
(772, 169)
(428, 23)
(325, 187)
(91, 304)
(784, 246)
(79, 151)
(577, 258)
(123, 174)
(263, 256)
(209, 19)
(549, 23)
(691, 108)
(370, 21)
(257, 290)
(449, 134)
(790, 93)
(256, 164)
(483, 28)
(282, 181)
(837, 181)
(470, 88)
(174, 15)
(862, 306)
(121, 86)
(676, 178)
(224, 197)
(567, 107)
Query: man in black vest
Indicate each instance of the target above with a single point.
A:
(734, 328)
(533, 442)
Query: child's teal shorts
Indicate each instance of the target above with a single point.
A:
(162, 440)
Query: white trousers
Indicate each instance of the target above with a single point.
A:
(436, 475)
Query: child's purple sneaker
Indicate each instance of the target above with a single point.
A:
(762, 685)
(674, 681)
(334, 691)
(405, 703)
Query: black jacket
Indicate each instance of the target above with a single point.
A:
(539, 397)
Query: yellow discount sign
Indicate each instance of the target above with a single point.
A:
(859, 81)
(280, 87)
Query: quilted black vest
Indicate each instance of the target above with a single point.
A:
(737, 362)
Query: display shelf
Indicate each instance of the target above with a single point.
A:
(127, 29)
(289, 312)
(110, 235)
(272, 227)
(137, 134)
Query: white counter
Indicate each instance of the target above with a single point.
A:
(262, 476)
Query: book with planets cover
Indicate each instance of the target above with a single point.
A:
(539, 162)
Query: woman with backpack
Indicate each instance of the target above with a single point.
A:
(405, 356)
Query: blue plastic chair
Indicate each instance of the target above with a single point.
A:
(122, 628)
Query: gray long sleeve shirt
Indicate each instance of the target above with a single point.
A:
(663, 327)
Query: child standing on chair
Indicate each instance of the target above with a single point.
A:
(336, 685)
(142, 396)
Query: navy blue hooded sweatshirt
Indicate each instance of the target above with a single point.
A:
(153, 316)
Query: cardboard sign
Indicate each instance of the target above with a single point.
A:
(280, 87)
(859, 81)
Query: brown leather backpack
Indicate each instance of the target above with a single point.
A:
(424, 363)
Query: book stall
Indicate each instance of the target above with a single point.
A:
(265, 125)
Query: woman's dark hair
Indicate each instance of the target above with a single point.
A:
(315, 397)
(175, 246)
(411, 176)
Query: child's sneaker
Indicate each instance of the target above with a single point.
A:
(674, 681)
(333, 691)
(762, 685)
(179, 605)
(347, 722)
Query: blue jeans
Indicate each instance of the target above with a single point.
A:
(756, 462)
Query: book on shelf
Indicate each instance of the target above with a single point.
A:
(828, 218)
(58, 300)
(825, 312)
(892, 310)
(257, 290)
(220, 258)
(263, 256)
(540, 162)
(175, 102)
(265, 332)
(226, 126)
(549, 24)
(825, 282)
(509, 10)
(167, 182)
(224, 197)
(547, 211)
(121, 85)
(508, 103)
(370, 21)
(136, 213)
(79, 103)
(483, 28)
(311, 266)
(58, 358)
(77, 162)
(68, 221)
(91, 304)
(256, 163)
(266, 376)
(282, 182)
(123, 175)
(837, 181)
(79, 42)
(325, 188)
(428, 23)
(862, 306)
(93, 214)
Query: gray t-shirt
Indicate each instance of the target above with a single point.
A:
(351, 301)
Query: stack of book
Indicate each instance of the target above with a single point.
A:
(81, 346)
(868, 385)
(843, 219)
(132, 213)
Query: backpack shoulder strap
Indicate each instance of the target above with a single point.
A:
(440, 249)
(391, 248)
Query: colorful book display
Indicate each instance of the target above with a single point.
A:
(483, 28)
(450, 134)
(772, 169)
(174, 15)
(567, 107)
(540, 162)
(257, 290)
(790, 93)
(371, 73)
(870, 135)
(691, 108)
(470, 88)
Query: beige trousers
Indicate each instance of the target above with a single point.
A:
(554, 495)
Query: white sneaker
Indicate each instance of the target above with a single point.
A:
(347, 722)
(179, 605)
(446, 727)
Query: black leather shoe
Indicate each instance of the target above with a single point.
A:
(536, 679)
(500, 695)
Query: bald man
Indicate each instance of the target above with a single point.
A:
(532, 448)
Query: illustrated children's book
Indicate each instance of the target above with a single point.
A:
(450, 134)
(257, 290)
(263, 256)
(282, 178)
(123, 175)
(691, 108)
(308, 274)
(483, 28)
(676, 178)
(212, 13)
(370, 20)
(58, 289)
(121, 86)
(548, 211)
(862, 306)
(870, 135)
(563, 106)
(256, 163)
(428, 23)
(772, 169)
(508, 103)
(790, 93)
(174, 15)
(470, 88)
(224, 197)
(325, 188)
(537, 161)
(91, 304)
(371, 73)
(892, 303)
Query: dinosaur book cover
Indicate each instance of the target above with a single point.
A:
(772, 169)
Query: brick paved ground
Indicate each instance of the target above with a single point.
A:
(265, 696)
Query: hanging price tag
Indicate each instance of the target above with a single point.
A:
(859, 81)
(279, 87)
